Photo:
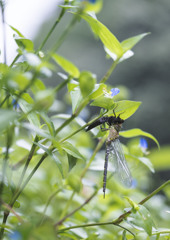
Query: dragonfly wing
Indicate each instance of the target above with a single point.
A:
(121, 167)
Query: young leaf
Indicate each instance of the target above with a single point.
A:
(87, 83)
(70, 149)
(66, 65)
(107, 38)
(138, 132)
(17, 31)
(125, 108)
(131, 42)
(76, 98)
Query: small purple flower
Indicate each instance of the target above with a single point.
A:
(143, 143)
(15, 105)
(15, 236)
(92, 1)
(114, 91)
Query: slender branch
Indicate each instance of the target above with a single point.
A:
(48, 202)
(109, 72)
(5, 99)
(77, 209)
(121, 217)
(52, 28)
(31, 153)
(12, 210)
(3, 28)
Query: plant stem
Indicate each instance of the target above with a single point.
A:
(52, 29)
(3, 28)
(109, 72)
(121, 217)
(77, 209)
(31, 153)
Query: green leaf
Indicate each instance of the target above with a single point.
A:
(163, 154)
(138, 132)
(125, 108)
(51, 155)
(66, 65)
(142, 218)
(6, 117)
(131, 42)
(17, 31)
(97, 91)
(44, 99)
(49, 123)
(147, 163)
(76, 98)
(26, 108)
(70, 149)
(104, 102)
(72, 84)
(75, 182)
(107, 38)
(24, 44)
(87, 83)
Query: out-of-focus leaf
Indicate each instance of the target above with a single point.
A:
(161, 159)
(67, 66)
(70, 149)
(44, 99)
(129, 43)
(142, 218)
(87, 83)
(138, 132)
(124, 235)
(6, 117)
(72, 84)
(76, 98)
(103, 102)
(125, 108)
(52, 155)
(24, 43)
(75, 182)
(26, 108)
(107, 38)
(32, 59)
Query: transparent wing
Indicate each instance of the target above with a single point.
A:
(116, 155)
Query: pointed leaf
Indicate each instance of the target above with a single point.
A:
(131, 42)
(17, 31)
(135, 132)
(76, 98)
(70, 149)
(125, 108)
(107, 38)
(67, 66)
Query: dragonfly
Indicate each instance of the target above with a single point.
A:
(114, 151)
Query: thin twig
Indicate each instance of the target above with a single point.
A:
(75, 210)
(121, 217)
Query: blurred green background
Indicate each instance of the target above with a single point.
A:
(146, 74)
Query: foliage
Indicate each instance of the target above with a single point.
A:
(50, 178)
